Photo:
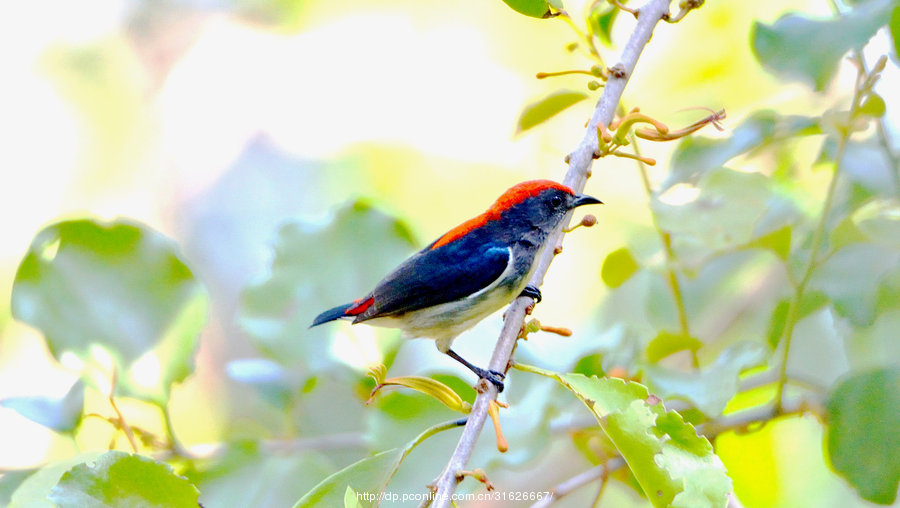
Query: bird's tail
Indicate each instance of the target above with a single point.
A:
(331, 314)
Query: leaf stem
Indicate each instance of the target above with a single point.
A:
(544, 75)
(880, 130)
(588, 38)
(671, 276)
(430, 431)
(599, 472)
(816, 245)
(174, 444)
(112, 402)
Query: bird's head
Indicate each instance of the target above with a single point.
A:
(529, 209)
(538, 204)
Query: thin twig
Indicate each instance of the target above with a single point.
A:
(880, 130)
(112, 402)
(580, 162)
(666, 239)
(793, 314)
(574, 483)
(174, 444)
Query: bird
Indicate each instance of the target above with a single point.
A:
(469, 272)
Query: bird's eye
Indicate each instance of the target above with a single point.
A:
(556, 201)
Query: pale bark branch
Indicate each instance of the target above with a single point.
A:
(580, 161)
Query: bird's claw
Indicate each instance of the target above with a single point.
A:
(532, 292)
(496, 378)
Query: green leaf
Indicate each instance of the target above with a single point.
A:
(113, 292)
(119, 479)
(351, 499)
(532, 8)
(894, 24)
(277, 479)
(818, 349)
(368, 476)
(430, 387)
(846, 233)
(873, 106)
(539, 112)
(851, 278)
(879, 221)
(590, 365)
(33, 491)
(458, 385)
(877, 346)
(863, 434)
(713, 386)
(281, 15)
(601, 19)
(784, 48)
(60, 414)
(777, 323)
(315, 269)
(674, 466)
(731, 210)
(866, 168)
(778, 241)
(10, 482)
(888, 291)
(810, 302)
(667, 343)
(697, 155)
(618, 267)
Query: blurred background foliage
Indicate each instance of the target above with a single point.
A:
(189, 183)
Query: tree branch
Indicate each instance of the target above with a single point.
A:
(593, 474)
(580, 161)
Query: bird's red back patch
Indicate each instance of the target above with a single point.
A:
(513, 196)
(360, 307)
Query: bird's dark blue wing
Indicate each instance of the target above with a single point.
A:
(435, 276)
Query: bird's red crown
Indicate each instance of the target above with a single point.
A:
(513, 196)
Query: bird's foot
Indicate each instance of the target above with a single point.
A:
(491, 375)
(532, 292)
(496, 378)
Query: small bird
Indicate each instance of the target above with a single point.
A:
(468, 273)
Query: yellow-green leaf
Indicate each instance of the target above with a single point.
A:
(351, 498)
(123, 479)
(894, 23)
(618, 267)
(531, 8)
(431, 387)
(667, 343)
(778, 241)
(873, 106)
(539, 112)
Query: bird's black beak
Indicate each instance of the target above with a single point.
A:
(581, 199)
